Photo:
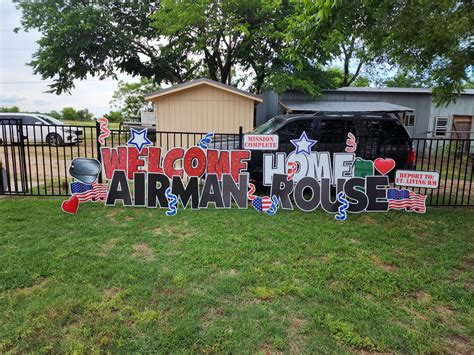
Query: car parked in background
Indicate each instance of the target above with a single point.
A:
(378, 135)
(37, 128)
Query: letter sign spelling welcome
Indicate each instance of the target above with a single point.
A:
(198, 177)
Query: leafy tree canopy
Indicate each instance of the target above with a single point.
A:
(114, 116)
(167, 41)
(271, 43)
(10, 109)
(129, 98)
(428, 39)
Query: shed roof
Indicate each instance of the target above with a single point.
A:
(343, 106)
(393, 90)
(202, 81)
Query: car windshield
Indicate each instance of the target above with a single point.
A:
(51, 120)
(269, 126)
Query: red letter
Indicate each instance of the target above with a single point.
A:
(135, 161)
(169, 161)
(237, 164)
(218, 163)
(194, 162)
(154, 160)
(114, 159)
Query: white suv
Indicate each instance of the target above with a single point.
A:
(38, 128)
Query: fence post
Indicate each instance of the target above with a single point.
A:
(2, 191)
(99, 154)
(241, 136)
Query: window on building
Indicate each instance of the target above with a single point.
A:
(409, 120)
(441, 126)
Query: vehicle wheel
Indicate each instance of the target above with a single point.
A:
(54, 140)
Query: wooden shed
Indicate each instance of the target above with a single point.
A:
(203, 105)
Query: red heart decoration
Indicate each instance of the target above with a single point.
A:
(384, 166)
(70, 205)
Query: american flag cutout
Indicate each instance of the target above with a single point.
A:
(262, 204)
(89, 192)
(406, 199)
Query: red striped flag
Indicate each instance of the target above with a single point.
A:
(406, 200)
(89, 192)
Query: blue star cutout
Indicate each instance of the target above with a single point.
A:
(303, 144)
(139, 138)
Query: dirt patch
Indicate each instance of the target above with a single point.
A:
(107, 246)
(421, 296)
(231, 272)
(445, 311)
(336, 285)
(182, 232)
(383, 265)
(459, 345)
(469, 263)
(212, 313)
(157, 230)
(354, 241)
(26, 291)
(112, 217)
(294, 334)
(469, 286)
(416, 314)
(268, 350)
(366, 219)
(143, 251)
(112, 292)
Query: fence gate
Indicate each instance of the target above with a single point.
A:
(13, 168)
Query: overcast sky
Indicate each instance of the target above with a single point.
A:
(19, 87)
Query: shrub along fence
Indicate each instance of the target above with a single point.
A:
(35, 159)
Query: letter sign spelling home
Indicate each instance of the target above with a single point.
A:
(261, 142)
(198, 177)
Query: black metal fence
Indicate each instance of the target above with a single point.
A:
(35, 159)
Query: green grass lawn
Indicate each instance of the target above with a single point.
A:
(129, 279)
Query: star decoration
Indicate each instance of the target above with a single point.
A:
(139, 138)
(303, 144)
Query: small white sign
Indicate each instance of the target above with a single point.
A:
(414, 178)
(261, 141)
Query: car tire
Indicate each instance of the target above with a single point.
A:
(54, 140)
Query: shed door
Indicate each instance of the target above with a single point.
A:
(462, 126)
(462, 130)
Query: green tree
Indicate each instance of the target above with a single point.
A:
(404, 80)
(114, 116)
(98, 38)
(10, 109)
(430, 39)
(84, 115)
(166, 41)
(129, 98)
(55, 114)
(68, 114)
(227, 34)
